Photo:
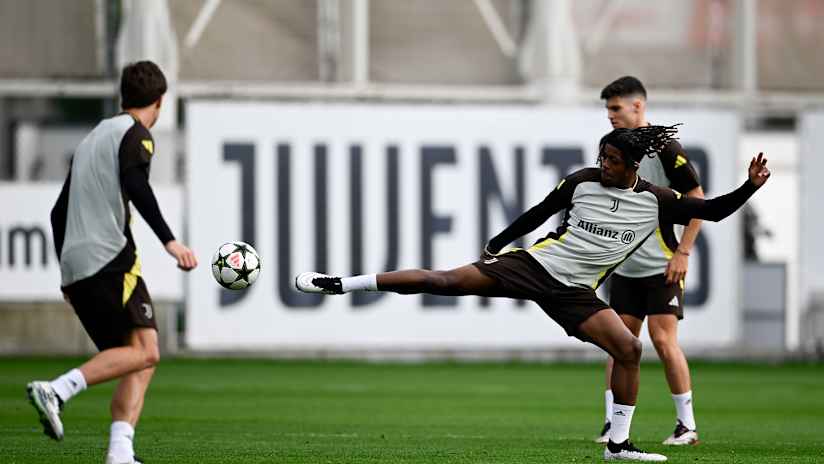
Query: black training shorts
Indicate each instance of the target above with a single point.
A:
(520, 276)
(644, 296)
(111, 306)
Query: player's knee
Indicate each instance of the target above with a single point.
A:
(629, 353)
(440, 280)
(662, 340)
(151, 355)
(637, 348)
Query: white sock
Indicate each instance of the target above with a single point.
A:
(608, 403)
(683, 409)
(362, 282)
(121, 437)
(69, 384)
(621, 420)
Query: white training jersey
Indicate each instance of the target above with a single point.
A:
(603, 225)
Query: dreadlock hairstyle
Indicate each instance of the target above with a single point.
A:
(634, 144)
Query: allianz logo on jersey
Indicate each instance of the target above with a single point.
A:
(627, 236)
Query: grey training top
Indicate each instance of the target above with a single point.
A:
(90, 220)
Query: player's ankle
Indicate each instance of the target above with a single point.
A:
(68, 385)
(368, 282)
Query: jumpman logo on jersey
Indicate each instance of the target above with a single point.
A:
(614, 207)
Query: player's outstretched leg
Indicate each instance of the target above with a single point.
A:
(465, 280)
(606, 330)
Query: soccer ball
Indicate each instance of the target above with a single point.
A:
(236, 265)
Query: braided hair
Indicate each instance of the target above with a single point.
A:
(634, 144)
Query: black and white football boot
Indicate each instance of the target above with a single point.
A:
(626, 451)
(48, 406)
(603, 437)
(315, 282)
(682, 436)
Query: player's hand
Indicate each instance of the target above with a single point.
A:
(758, 170)
(677, 268)
(185, 258)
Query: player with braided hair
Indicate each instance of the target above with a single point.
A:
(642, 141)
(610, 212)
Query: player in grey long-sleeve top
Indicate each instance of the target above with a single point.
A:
(99, 264)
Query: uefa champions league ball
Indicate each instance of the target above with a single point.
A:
(236, 265)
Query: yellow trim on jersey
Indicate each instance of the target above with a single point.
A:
(680, 161)
(662, 244)
(560, 184)
(149, 146)
(130, 279)
(600, 276)
(548, 242)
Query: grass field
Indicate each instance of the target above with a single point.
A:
(256, 411)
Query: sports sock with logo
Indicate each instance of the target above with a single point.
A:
(608, 399)
(69, 384)
(362, 282)
(683, 409)
(621, 421)
(121, 437)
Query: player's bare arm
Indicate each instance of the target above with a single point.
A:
(679, 264)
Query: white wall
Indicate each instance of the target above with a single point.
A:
(811, 245)
(779, 207)
(28, 205)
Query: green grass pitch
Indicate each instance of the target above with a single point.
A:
(259, 411)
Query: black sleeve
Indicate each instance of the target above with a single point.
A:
(678, 168)
(680, 209)
(135, 182)
(58, 215)
(136, 149)
(560, 198)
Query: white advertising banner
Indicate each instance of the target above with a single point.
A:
(29, 270)
(364, 189)
(811, 220)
